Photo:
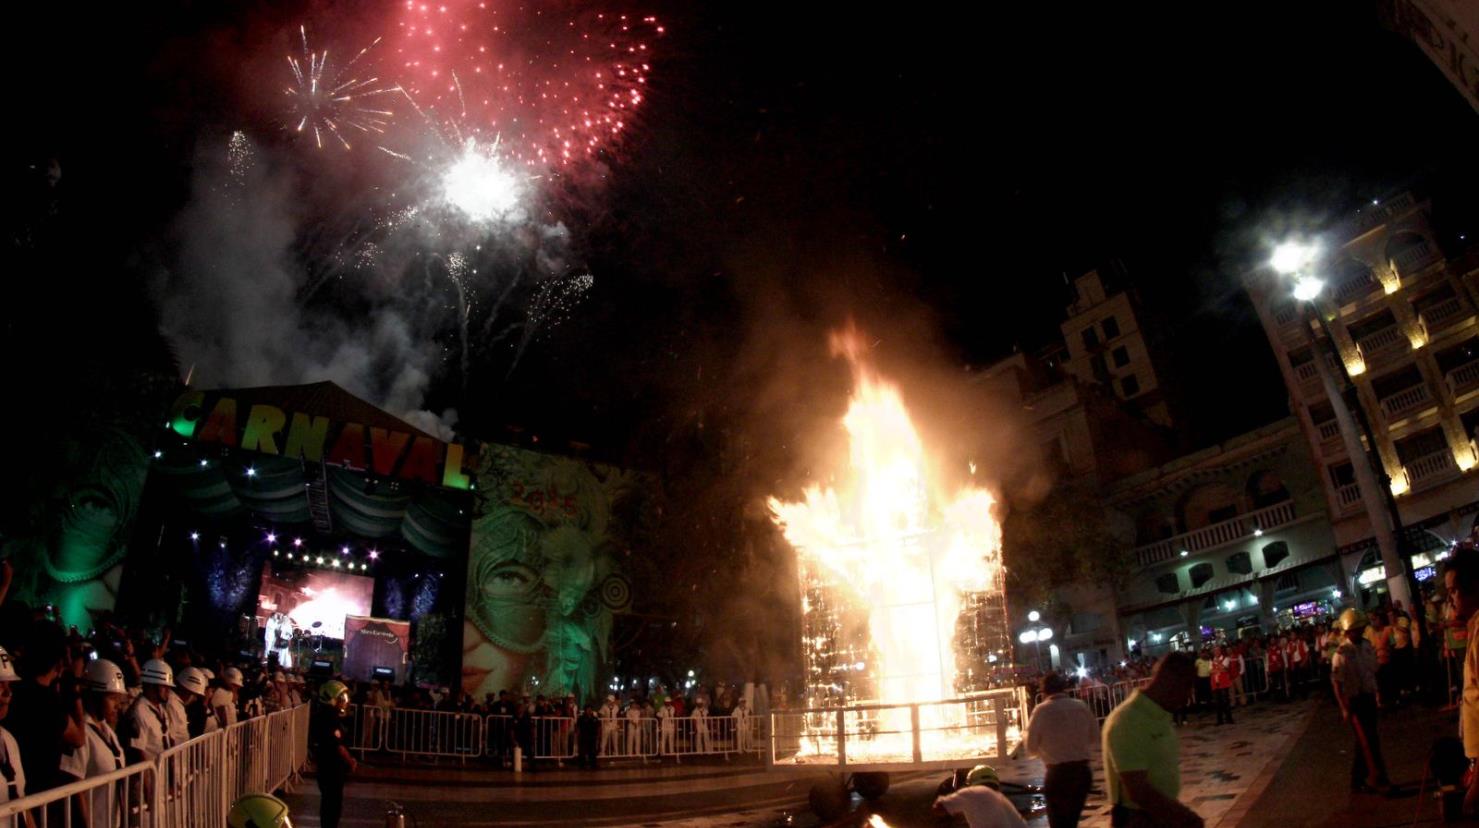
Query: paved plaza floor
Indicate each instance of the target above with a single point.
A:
(1279, 765)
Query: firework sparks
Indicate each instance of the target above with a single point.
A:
(329, 102)
(558, 85)
(480, 185)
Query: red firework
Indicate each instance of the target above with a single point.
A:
(554, 83)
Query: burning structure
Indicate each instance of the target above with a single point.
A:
(903, 606)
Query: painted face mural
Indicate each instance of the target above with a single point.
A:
(76, 562)
(542, 582)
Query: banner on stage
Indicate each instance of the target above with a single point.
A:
(372, 644)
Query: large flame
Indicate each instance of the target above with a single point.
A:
(890, 541)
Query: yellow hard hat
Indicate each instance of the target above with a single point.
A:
(983, 775)
(1350, 618)
(258, 810)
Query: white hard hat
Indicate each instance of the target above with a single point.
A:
(7, 667)
(156, 672)
(232, 676)
(193, 680)
(278, 676)
(103, 676)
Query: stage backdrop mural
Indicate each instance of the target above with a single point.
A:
(543, 578)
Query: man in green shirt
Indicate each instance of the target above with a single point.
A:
(1142, 756)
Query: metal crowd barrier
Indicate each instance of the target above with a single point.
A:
(936, 734)
(192, 784)
(622, 738)
(434, 733)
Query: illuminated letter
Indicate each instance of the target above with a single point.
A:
(306, 438)
(263, 424)
(386, 448)
(349, 449)
(181, 418)
(452, 476)
(421, 460)
(220, 427)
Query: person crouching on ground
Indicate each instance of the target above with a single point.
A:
(981, 802)
(1062, 732)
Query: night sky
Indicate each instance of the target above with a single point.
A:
(919, 162)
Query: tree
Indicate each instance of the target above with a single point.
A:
(1068, 538)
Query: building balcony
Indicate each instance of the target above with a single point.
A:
(1331, 444)
(1415, 258)
(1286, 314)
(1349, 497)
(1384, 346)
(1441, 315)
(1217, 534)
(1406, 402)
(1431, 469)
(1463, 380)
(1355, 287)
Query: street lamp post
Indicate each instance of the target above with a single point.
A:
(1296, 261)
(1036, 634)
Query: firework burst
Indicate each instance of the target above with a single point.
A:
(331, 103)
(554, 82)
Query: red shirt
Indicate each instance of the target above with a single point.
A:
(1221, 675)
(1275, 660)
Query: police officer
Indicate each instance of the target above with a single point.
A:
(1353, 677)
(326, 740)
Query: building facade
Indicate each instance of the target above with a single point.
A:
(1107, 346)
(1228, 538)
(1403, 320)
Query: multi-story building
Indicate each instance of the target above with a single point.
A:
(1228, 537)
(1086, 437)
(1107, 346)
(1404, 321)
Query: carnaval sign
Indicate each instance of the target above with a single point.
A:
(316, 438)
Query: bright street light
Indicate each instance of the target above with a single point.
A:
(1027, 636)
(1045, 634)
(1034, 616)
(1306, 288)
(1292, 257)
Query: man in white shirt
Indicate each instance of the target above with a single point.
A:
(1062, 733)
(741, 717)
(104, 696)
(634, 729)
(12, 773)
(981, 802)
(700, 717)
(608, 726)
(149, 720)
(665, 727)
(223, 698)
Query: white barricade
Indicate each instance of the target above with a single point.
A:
(112, 800)
(192, 784)
(434, 733)
(366, 727)
(554, 737)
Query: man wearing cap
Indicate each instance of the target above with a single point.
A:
(981, 802)
(330, 754)
(223, 698)
(149, 722)
(1353, 677)
(103, 697)
(1062, 733)
(12, 771)
(608, 726)
(1142, 756)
